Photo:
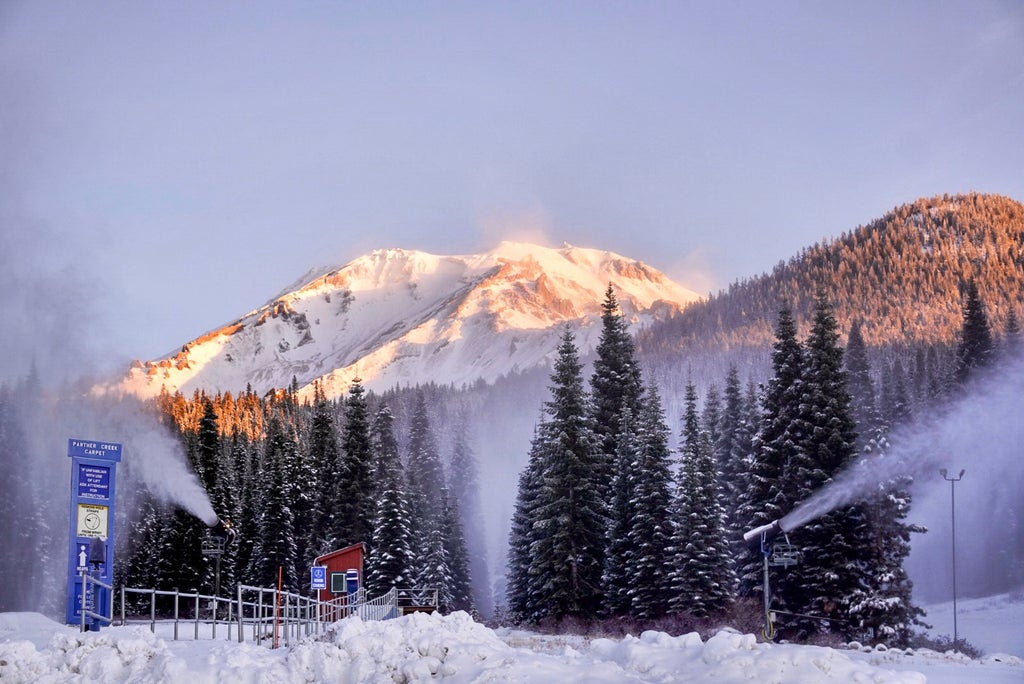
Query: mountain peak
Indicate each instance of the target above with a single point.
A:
(397, 316)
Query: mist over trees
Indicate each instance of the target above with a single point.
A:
(648, 459)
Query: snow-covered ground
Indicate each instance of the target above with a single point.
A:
(455, 649)
(994, 624)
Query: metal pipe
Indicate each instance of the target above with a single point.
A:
(768, 531)
(952, 500)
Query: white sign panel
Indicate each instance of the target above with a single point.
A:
(92, 520)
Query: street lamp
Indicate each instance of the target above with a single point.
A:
(952, 499)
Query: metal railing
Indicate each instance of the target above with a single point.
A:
(269, 613)
(265, 613)
(175, 610)
(86, 609)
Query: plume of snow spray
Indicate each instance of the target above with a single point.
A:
(981, 432)
(165, 474)
(154, 460)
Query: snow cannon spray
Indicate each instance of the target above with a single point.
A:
(781, 554)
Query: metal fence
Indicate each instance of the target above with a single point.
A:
(262, 614)
(182, 609)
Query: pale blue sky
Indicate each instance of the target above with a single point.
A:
(166, 167)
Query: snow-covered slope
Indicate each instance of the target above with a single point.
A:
(398, 317)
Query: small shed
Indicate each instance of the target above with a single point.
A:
(339, 564)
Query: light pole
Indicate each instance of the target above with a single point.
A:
(952, 500)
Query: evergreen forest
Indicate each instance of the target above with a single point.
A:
(648, 459)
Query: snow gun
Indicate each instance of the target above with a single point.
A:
(222, 532)
(781, 554)
(758, 537)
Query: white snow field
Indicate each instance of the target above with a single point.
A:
(454, 648)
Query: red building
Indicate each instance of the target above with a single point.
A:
(339, 564)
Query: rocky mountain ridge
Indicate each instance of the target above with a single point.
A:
(399, 317)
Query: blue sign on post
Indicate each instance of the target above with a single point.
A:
(318, 577)
(93, 470)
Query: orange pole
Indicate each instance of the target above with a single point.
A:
(277, 607)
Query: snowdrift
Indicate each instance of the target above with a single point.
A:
(451, 648)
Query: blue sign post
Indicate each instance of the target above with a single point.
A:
(91, 528)
(318, 577)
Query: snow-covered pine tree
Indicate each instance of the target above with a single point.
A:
(354, 501)
(703, 579)
(245, 454)
(299, 485)
(895, 398)
(622, 511)
(833, 570)
(208, 447)
(225, 501)
(425, 478)
(325, 460)
(780, 433)
(569, 516)
(615, 384)
(882, 607)
(180, 562)
(521, 592)
(434, 568)
(732, 454)
(389, 557)
(711, 418)
(275, 542)
(140, 568)
(976, 348)
(461, 583)
(862, 390)
(651, 529)
(464, 476)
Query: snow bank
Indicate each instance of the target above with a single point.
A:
(420, 647)
(129, 654)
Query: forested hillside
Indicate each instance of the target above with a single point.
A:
(902, 275)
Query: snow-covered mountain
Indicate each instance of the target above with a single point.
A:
(399, 317)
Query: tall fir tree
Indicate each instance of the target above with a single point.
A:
(650, 530)
(325, 459)
(569, 515)
(464, 476)
(247, 460)
(274, 546)
(732, 454)
(976, 348)
(354, 502)
(425, 477)
(208, 446)
(620, 555)
(781, 431)
(615, 383)
(522, 594)
(862, 390)
(711, 419)
(882, 605)
(703, 578)
(832, 545)
(460, 589)
(434, 567)
(390, 554)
